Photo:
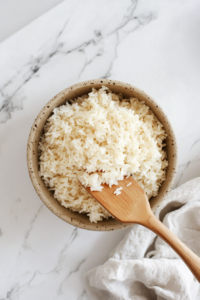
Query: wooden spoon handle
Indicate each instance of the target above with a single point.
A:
(189, 257)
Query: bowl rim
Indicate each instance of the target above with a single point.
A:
(31, 153)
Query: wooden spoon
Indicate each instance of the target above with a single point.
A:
(132, 206)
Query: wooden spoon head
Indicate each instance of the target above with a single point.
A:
(131, 206)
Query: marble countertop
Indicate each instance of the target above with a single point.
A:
(153, 45)
(15, 14)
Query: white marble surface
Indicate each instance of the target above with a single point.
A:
(15, 14)
(154, 45)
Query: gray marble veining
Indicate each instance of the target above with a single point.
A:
(152, 45)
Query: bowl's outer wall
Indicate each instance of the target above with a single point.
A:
(72, 92)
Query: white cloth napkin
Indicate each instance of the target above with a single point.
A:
(143, 266)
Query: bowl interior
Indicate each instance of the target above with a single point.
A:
(80, 89)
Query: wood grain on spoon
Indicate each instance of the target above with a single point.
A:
(132, 206)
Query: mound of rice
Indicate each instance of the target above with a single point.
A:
(100, 138)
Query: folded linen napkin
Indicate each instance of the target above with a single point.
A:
(143, 266)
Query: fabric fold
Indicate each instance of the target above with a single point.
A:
(143, 266)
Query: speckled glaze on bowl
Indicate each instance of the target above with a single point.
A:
(127, 90)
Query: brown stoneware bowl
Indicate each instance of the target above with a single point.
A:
(127, 90)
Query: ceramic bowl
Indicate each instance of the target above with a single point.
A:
(127, 90)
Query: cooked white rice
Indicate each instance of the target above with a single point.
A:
(118, 191)
(100, 132)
